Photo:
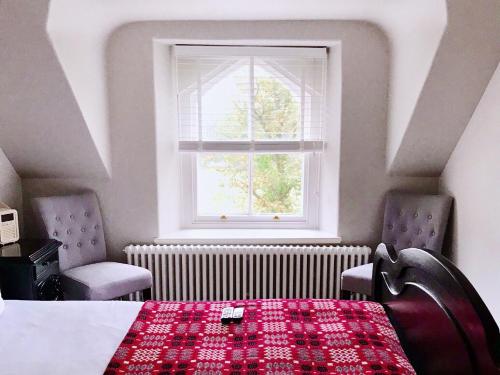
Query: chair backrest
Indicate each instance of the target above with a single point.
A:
(415, 220)
(76, 221)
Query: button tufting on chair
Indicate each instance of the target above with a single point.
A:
(85, 273)
(411, 229)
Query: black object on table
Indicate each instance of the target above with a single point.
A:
(29, 270)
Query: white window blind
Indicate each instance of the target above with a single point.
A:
(257, 99)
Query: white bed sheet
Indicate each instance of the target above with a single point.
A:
(70, 337)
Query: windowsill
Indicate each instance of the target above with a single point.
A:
(249, 236)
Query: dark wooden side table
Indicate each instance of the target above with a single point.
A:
(29, 270)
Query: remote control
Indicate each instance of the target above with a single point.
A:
(227, 315)
(238, 314)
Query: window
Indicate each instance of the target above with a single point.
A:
(251, 133)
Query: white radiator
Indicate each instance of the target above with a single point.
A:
(210, 272)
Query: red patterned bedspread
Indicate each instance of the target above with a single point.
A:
(276, 337)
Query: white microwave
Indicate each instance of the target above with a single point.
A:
(9, 225)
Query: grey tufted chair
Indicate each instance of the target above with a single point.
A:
(76, 221)
(410, 220)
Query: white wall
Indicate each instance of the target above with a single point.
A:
(79, 30)
(411, 61)
(468, 54)
(472, 176)
(42, 130)
(10, 185)
(83, 68)
(129, 200)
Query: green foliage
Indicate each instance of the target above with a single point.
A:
(235, 125)
(234, 167)
(277, 178)
(277, 184)
(276, 113)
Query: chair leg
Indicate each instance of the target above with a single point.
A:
(146, 294)
(345, 294)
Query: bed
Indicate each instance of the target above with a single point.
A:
(68, 337)
(442, 327)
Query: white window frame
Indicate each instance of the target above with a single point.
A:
(311, 176)
(308, 219)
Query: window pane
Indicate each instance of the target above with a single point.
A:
(225, 102)
(222, 184)
(187, 78)
(277, 99)
(282, 96)
(278, 184)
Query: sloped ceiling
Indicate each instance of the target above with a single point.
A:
(10, 184)
(464, 64)
(42, 130)
(67, 112)
(80, 30)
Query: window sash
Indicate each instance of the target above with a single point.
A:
(242, 51)
(250, 209)
(309, 140)
(308, 220)
(251, 146)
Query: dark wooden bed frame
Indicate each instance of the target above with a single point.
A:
(442, 323)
